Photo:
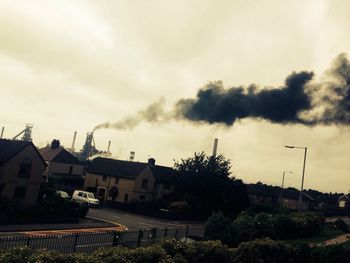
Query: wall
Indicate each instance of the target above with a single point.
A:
(63, 168)
(9, 176)
(124, 185)
(149, 192)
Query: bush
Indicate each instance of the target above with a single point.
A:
(218, 227)
(263, 225)
(285, 227)
(341, 225)
(243, 229)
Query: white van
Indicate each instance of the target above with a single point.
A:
(85, 197)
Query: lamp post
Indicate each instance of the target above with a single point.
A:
(284, 172)
(302, 179)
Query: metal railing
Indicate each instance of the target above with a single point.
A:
(88, 242)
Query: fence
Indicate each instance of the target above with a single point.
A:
(88, 242)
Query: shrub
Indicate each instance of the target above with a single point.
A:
(218, 227)
(243, 229)
(263, 225)
(285, 227)
(341, 225)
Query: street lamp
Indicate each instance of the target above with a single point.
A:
(302, 180)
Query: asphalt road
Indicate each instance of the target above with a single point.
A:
(136, 222)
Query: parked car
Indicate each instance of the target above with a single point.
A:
(62, 194)
(85, 197)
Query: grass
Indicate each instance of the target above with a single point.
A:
(326, 234)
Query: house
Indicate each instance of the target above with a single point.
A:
(21, 172)
(64, 171)
(343, 201)
(273, 195)
(125, 181)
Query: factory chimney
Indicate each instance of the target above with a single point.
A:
(73, 142)
(109, 146)
(132, 156)
(2, 132)
(215, 148)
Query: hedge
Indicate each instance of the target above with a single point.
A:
(171, 251)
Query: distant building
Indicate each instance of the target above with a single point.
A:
(21, 172)
(343, 201)
(64, 171)
(272, 195)
(126, 181)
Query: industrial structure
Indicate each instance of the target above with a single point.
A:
(27, 133)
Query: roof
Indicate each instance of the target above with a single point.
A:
(127, 169)
(10, 148)
(343, 198)
(163, 173)
(275, 192)
(58, 155)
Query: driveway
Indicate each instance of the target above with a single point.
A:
(135, 221)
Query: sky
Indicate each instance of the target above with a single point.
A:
(68, 66)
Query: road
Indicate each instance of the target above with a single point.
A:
(136, 222)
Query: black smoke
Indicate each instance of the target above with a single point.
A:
(301, 100)
(215, 104)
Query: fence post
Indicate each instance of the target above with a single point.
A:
(165, 233)
(139, 238)
(115, 238)
(187, 228)
(75, 242)
(28, 240)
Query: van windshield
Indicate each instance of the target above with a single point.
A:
(91, 195)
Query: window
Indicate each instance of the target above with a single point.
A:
(24, 169)
(166, 186)
(80, 194)
(85, 195)
(20, 192)
(116, 180)
(104, 178)
(126, 196)
(144, 184)
(70, 169)
(142, 197)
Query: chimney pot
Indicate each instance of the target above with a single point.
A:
(152, 161)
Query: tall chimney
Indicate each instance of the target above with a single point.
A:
(109, 146)
(215, 148)
(73, 142)
(2, 132)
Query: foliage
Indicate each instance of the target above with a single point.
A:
(341, 225)
(246, 228)
(218, 227)
(205, 183)
(171, 251)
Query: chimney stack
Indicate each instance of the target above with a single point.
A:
(109, 146)
(152, 161)
(55, 144)
(215, 148)
(2, 132)
(73, 142)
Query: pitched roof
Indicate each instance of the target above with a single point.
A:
(163, 173)
(58, 155)
(10, 148)
(118, 168)
(107, 166)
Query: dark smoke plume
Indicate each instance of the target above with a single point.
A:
(301, 100)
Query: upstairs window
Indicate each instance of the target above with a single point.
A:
(144, 184)
(104, 178)
(25, 168)
(116, 180)
(20, 192)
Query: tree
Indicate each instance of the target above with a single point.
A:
(205, 183)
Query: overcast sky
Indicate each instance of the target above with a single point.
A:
(71, 65)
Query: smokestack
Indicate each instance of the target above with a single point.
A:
(109, 146)
(215, 148)
(73, 142)
(2, 132)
